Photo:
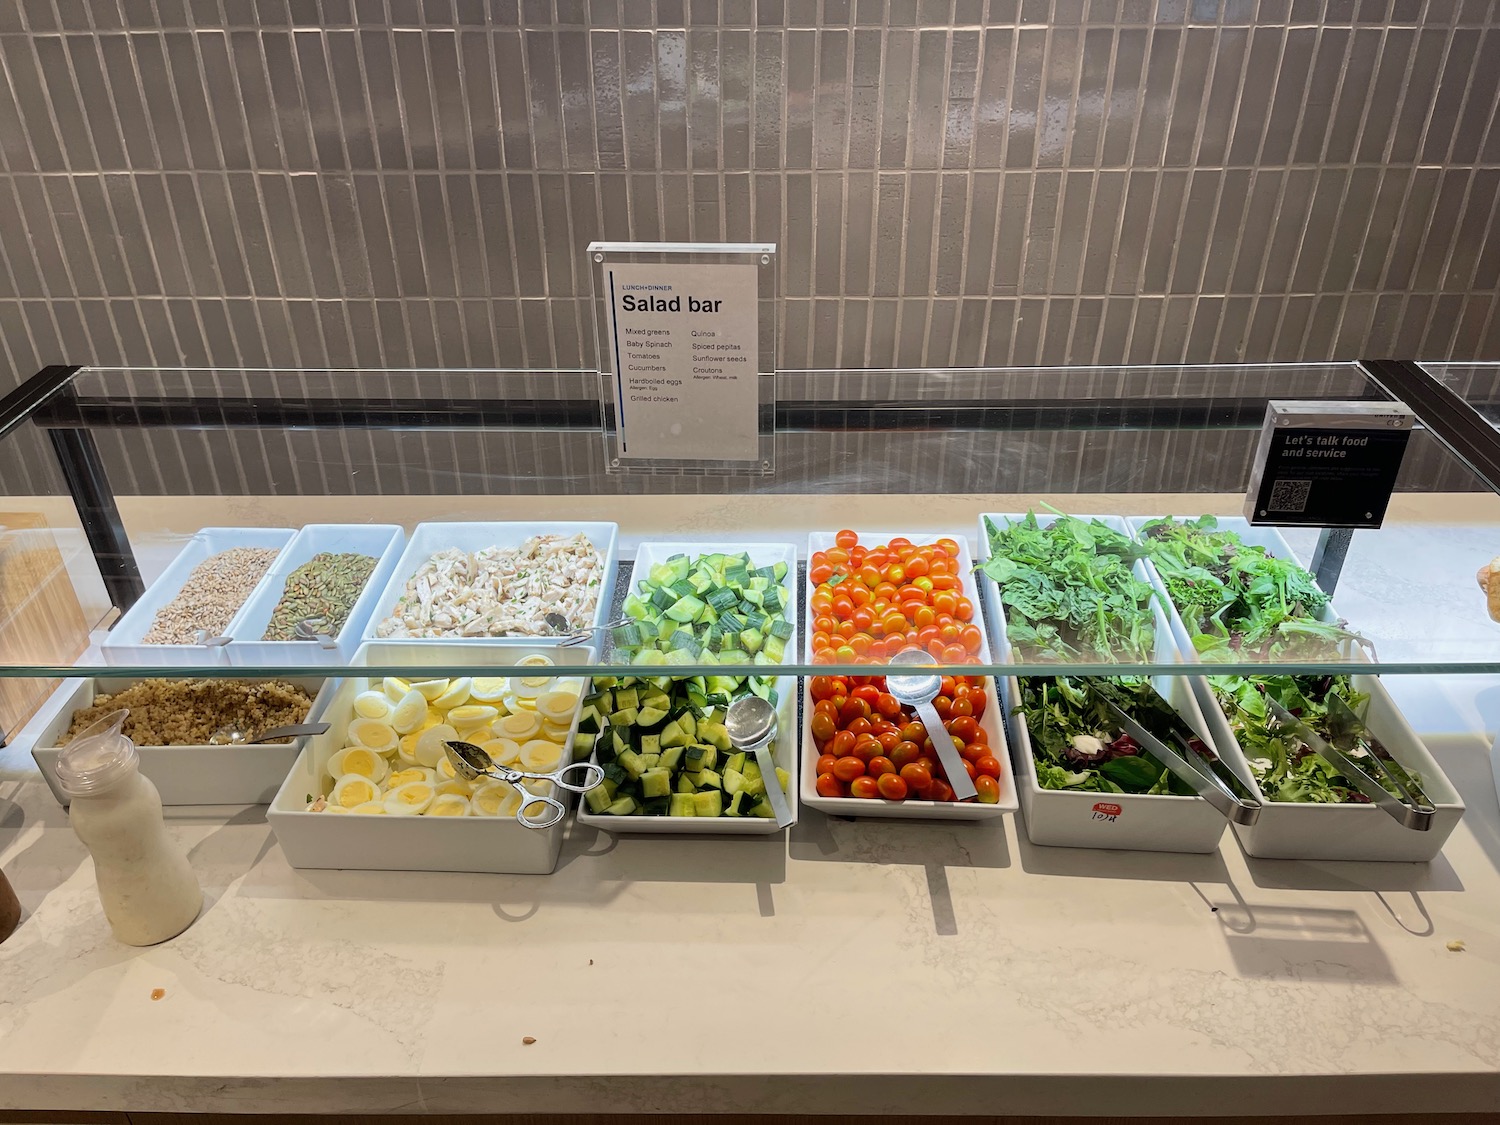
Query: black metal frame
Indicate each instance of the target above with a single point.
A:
(49, 400)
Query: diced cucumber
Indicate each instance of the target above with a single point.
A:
(598, 799)
(685, 609)
(671, 757)
(632, 763)
(683, 804)
(714, 734)
(650, 744)
(736, 762)
(656, 782)
(649, 716)
(708, 779)
(583, 746)
(625, 806)
(700, 757)
(708, 803)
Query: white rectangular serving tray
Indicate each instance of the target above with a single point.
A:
(124, 647)
(1116, 821)
(186, 775)
(785, 749)
(430, 538)
(382, 541)
(914, 808)
(410, 843)
(1328, 832)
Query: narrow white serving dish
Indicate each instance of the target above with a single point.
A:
(124, 647)
(186, 775)
(913, 808)
(1117, 821)
(783, 750)
(823, 540)
(1354, 831)
(381, 541)
(430, 538)
(410, 843)
(1329, 832)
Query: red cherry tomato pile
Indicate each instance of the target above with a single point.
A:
(870, 746)
(869, 603)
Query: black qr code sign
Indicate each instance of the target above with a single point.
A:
(1289, 496)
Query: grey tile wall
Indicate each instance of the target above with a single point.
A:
(396, 183)
(1001, 182)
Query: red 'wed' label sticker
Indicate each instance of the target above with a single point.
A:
(1107, 811)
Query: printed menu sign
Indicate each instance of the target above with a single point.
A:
(684, 346)
(1327, 464)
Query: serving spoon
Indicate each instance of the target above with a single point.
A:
(918, 691)
(751, 722)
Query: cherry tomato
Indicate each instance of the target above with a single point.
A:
(943, 603)
(963, 727)
(821, 687)
(869, 577)
(843, 606)
(895, 573)
(847, 769)
(827, 707)
(868, 692)
(823, 728)
(904, 753)
(889, 740)
(924, 617)
(838, 556)
(886, 704)
(846, 538)
(894, 623)
(857, 727)
(988, 766)
(819, 573)
(916, 566)
(866, 788)
(862, 643)
(893, 788)
(852, 709)
(825, 764)
(942, 705)
(939, 791)
(918, 775)
(944, 582)
(988, 789)
(859, 595)
(949, 546)
(913, 732)
(829, 786)
(840, 745)
(879, 765)
(867, 749)
(972, 638)
(961, 708)
(965, 610)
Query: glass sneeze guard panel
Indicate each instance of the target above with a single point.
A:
(127, 480)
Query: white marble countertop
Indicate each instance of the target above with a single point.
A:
(855, 967)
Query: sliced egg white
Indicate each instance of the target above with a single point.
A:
(557, 705)
(377, 734)
(535, 660)
(488, 689)
(449, 804)
(359, 760)
(541, 756)
(497, 798)
(373, 705)
(472, 715)
(557, 732)
(529, 687)
(336, 809)
(408, 715)
(456, 694)
(369, 808)
(395, 688)
(405, 777)
(502, 751)
(456, 785)
(520, 726)
(430, 689)
(353, 790)
(410, 799)
(431, 745)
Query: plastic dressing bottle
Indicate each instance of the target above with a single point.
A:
(147, 888)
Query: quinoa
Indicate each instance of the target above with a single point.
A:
(187, 712)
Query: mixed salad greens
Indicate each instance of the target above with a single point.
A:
(1284, 767)
(1069, 592)
(1237, 601)
(1077, 745)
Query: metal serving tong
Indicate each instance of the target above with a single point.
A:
(1410, 809)
(1185, 764)
(471, 763)
(566, 635)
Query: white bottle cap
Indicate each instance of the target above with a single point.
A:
(98, 759)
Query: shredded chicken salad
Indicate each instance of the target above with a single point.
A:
(500, 591)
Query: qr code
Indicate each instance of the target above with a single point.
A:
(1289, 496)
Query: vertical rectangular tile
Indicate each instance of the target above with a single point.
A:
(1026, 97)
(1125, 95)
(992, 101)
(895, 106)
(640, 100)
(831, 107)
(671, 98)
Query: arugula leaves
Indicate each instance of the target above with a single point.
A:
(1283, 766)
(1068, 591)
(1237, 601)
